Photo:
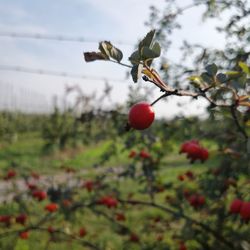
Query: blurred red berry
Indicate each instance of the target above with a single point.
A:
(181, 177)
(134, 237)
(21, 219)
(235, 206)
(245, 211)
(201, 200)
(51, 229)
(52, 207)
(196, 200)
(132, 154)
(182, 246)
(145, 155)
(24, 235)
(194, 151)
(189, 174)
(204, 154)
(185, 145)
(66, 203)
(82, 232)
(108, 201)
(5, 219)
(120, 217)
(39, 195)
(89, 185)
(10, 174)
(31, 186)
(186, 193)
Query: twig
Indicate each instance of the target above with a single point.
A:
(122, 64)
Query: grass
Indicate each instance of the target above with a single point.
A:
(27, 154)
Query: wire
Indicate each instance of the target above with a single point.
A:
(57, 73)
(61, 38)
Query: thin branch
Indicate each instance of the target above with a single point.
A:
(179, 92)
(159, 98)
(122, 64)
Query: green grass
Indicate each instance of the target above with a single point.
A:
(27, 154)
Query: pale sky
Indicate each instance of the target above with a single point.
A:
(95, 20)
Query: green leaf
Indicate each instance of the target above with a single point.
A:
(103, 47)
(211, 69)
(136, 72)
(147, 40)
(234, 74)
(196, 81)
(240, 82)
(221, 78)
(157, 49)
(116, 54)
(110, 51)
(244, 67)
(207, 78)
(147, 53)
(135, 58)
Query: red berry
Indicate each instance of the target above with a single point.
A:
(24, 235)
(5, 219)
(132, 154)
(39, 195)
(182, 246)
(235, 206)
(245, 211)
(120, 217)
(52, 207)
(181, 177)
(186, 193)
(193, 201)
(89, 185)
(189, 174)
(21, 219)
(108, 201)
(144, 154)
(194, 151)
(185, 145)
(204, 154)
(66, 203)
(134, 238)
(196, 200)
(31, 186)
(82, 232)
(141, 115)
(201, 200)
(51, 229)
(10, 174)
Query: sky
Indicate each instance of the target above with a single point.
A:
(96, 20)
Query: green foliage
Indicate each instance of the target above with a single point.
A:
(109, 50)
